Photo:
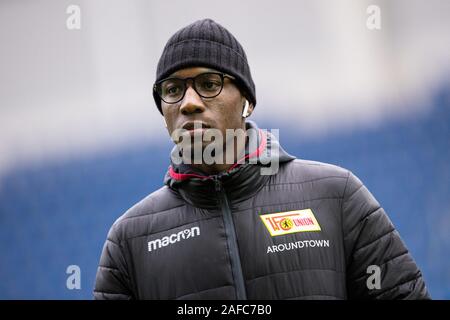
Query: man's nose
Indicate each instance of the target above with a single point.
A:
(192, 102)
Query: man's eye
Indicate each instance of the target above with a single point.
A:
(210, 85)
(172, 90)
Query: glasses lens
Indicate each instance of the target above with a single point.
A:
(208, 85)
(171, 90)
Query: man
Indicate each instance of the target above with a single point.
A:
(230, 230)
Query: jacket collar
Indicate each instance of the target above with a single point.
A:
(242, 181)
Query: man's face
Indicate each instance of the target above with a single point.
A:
(221, 112)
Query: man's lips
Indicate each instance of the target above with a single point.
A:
(195, 125)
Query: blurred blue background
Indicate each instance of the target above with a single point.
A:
(81, 141)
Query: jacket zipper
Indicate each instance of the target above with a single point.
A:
(230, 231)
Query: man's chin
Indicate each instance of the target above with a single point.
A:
(201, 152)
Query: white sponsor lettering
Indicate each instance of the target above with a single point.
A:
(173, 238)
(298, 245)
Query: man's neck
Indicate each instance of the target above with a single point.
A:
(212, 169)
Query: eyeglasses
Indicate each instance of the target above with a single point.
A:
(207, 85)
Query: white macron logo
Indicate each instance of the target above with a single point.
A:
(173, 238)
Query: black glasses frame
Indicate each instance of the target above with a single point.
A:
(157, 85)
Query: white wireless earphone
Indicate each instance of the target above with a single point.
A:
(245, 113)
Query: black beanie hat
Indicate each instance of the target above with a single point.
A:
(206, 43)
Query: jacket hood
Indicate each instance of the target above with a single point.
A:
(240, 182)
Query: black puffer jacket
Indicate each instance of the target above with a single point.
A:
(310, 231)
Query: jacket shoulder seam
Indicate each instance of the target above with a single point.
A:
(373, 241)
(113, 242)
(362, 219)
(354, 192)
(302, 182)
(150, 213)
